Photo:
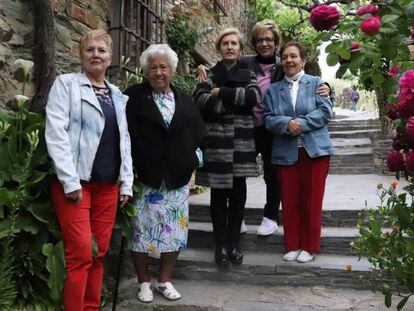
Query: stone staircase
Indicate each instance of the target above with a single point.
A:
(352, 141)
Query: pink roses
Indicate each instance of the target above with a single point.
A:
(406, 95)
(324, 17)
(371, 25)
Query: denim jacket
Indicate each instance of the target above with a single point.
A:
(74, 125)
(313, 111)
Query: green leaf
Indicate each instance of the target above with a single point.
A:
(377, 78)
(332, 59)
(27, 224)
(325, 36)
(41, 211)
(55, 264)
(402, 303)
(389, 18)
(388, 299)
(390, 86)
(341, 71)
(344, 53)
(1, 211)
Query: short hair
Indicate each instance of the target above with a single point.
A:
(155, 50)
(263, 25)
(302, 50)
(96, 34)
(226, 32)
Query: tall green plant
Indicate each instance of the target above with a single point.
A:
(27, 222)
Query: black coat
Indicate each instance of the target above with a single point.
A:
(160, 153)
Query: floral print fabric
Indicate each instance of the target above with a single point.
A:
(161, 223)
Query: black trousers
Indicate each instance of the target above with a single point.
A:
(263, 141)
(227, 211)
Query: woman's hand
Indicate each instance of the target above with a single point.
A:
(323, 90)
(201, 73)
(123, 199)
(215, 91)
(75, 196)
(295, 128)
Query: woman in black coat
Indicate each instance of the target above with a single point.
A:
(225, 100)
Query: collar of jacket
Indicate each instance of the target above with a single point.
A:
(88, 95)
(145, 106)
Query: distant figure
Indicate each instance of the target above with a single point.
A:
(354, 98)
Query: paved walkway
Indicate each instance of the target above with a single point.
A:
(343, 192)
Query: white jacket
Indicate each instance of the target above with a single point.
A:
(74, 125)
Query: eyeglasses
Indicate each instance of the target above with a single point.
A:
(267, 40)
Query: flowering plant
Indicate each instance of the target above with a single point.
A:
(390, 250)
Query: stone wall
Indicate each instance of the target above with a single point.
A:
(72, 19)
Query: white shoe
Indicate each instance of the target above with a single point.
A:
(267, 227)
(291, 256)
(243, 228)
(145, 293)
(304, 257)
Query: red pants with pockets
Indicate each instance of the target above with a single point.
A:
(94, 216)
(302, 188)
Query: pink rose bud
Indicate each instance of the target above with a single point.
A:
(393, 71)
(371, 25)
(395, 161)
(367, 9)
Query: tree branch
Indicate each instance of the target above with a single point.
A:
(43, 52)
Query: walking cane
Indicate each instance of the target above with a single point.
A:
(118, 273)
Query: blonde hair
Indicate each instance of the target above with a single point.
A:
(96, 34)
(226, 32)
(266, 24)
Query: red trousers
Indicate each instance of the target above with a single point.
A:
(95, 216)
(302, 187)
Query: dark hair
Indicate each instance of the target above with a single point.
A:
(301, 48)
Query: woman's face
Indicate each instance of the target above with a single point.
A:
(230, 48)
(95, 57)
(160, 73)
(291, 61)
(265, 43)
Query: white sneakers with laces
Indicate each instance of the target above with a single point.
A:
(292, 255)
(298, 255)
(267, 227)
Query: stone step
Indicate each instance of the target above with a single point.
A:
(352, 122)
(345, 170)
(352, 151)
(253, 216)
(352, 159)
(352, 127)
(266, 269)
(353, 134)
(349, 142)
(333, 240)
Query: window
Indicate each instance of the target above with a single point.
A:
(135, 25)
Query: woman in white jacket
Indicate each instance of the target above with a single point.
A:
(88, 141)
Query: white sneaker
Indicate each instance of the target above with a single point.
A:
(243, 228)
(305, 257)
(267, 227)
(291, 256)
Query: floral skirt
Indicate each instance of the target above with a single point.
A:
(161, 223)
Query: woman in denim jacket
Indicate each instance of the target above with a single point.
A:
(301, 149)
(88, 141)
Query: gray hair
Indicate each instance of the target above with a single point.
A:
(229, 31)
(158, 50)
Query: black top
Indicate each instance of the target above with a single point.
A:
(108, 159)
(162, 153)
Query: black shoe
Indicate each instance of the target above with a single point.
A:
(235, 255)
(221, 255)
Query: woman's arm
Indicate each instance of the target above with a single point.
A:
(206, 100)
(56, 135)
(247, 96)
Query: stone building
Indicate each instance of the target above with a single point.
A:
(48, 32)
